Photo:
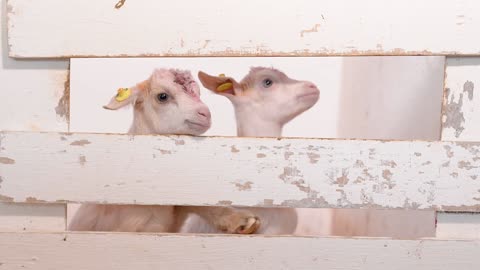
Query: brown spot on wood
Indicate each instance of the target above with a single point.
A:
(313, 157)
(454, 115)
(164, 152)
(244, 186)
(387, 175)
(268, 202)
(34, 200)
(359, 180)
(6, 160)
(225, 202)
(80, 142)
(287, 155)
(448, 150)
(342, 180)
(206, 43)
(82, 160)
(5, 199)
(311, 30)
(261, 155)
(358, 164)
(179, 142)
(234, 149)
(289, 172)
(465, 165)
(63, 107)
(468, 88)
(119, 4)
(454, 174)
(390, 163)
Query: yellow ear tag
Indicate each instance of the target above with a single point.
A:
(122, 94)
(224, 86)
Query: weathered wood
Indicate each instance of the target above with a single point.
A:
(54, 167)
(461, 109)
(143, 251)
(34, 94)
(219, 28)
(32, 217)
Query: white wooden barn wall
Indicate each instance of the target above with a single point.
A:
(33, 97)
(359, 29)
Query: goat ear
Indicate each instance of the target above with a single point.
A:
(220, 84)
(126, 96)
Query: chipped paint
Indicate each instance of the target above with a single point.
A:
(234, 149)
(164, 152)
(245, 186)
(225, 202)
(82, 160)
(33, 200)
(6, 198)
(261, 155)
(468, 88)
(179, 142)
(314, 157)
(6, 160)
(343, 179)
(63, 107)
(311, 30)
(80, 143)
(389, 163)
(287, 154)
(465, 165)
(453, 114)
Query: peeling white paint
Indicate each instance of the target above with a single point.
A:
(333, 27)
(201, 172)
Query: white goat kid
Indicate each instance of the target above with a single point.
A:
(166, 103)
(264, 101)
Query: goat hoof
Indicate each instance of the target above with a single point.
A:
(251, 226)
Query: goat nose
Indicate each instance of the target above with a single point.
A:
(311, 85)
(204, 112)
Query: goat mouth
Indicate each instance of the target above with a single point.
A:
(202, 125)
(309, 95)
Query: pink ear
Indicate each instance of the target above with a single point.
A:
(216, 83)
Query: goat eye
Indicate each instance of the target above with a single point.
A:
(162, 97)
(267, 83)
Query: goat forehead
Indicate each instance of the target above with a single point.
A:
(260, 72)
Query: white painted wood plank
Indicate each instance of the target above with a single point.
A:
(239, 171)
(32, 95)
(32, 217)
(461, 112)
(240, 28)
(142, 251)
(458, 225)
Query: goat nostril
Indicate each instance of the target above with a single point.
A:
(204, 113)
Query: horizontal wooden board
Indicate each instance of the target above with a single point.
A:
(242, 28)
(32, 217)
(461, 109)
(55, 167)
(41, 251)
